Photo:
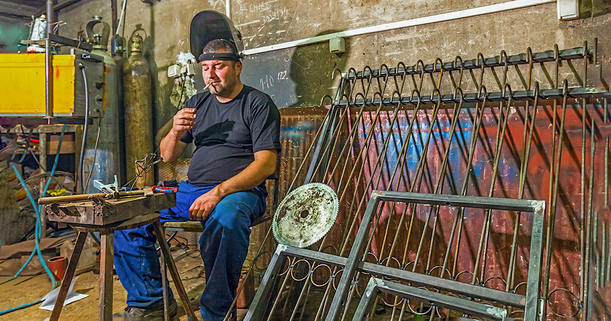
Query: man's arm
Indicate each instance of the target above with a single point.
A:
(171, 147)
(262, 167)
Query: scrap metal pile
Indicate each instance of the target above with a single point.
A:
(435, 180)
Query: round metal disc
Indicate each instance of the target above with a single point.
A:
(305, 215)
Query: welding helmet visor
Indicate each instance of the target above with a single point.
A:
(209, 25)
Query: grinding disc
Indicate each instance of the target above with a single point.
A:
(305, 215)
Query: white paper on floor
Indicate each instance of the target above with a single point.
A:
(51, 297)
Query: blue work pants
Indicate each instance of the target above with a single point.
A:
(223, 246)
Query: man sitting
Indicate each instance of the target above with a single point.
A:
(235, 129)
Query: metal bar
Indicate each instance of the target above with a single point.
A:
(483, 243)
(70, 42)
(326, 156)
(496, 61)
(347, 147)
(368, 301)
(606, 186)
(321, 139)
(49, 62)
(587, 288)
(355, 254)
(531, 309)
(439, 183)
(380, 158)
(61, 297)
(479, 292)
(608, 255)
(554, 174)
(60, 6)
(401, 158)
(282, 286)
(312, 146)
(165, 250)
(519, 95)
(107, 242)
(603, 257)
(115, 22)
(438, 300)
(366, 144)
(260, 302)
(523, 172)
(82, 197)
(595, 253)
(42, 147)
(458, 220)
(584, 218)
(415, 186)
(335, 137)
(507, 204)
(353, 137)
(352, 172)
(165, 286)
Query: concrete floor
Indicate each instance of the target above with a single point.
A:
(27, 289)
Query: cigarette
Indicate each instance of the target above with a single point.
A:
(208, 85)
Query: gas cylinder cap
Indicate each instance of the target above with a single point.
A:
(100, 41)
(136, 43)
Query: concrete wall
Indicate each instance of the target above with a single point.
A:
(11, 32)
(13, 28)
(301, 76)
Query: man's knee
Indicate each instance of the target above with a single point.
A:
(235, 211)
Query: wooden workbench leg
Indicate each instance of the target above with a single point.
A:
(63, 291)
(107, 246)
(169, 261)
(164, 287)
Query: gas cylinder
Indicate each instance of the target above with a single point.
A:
(102, 162)
(138, 111)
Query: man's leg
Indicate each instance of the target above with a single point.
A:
(136, 260)
(137, 266)
(224, 245)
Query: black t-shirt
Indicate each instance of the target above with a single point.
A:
(227, 135)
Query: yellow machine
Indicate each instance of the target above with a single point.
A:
(22, 84)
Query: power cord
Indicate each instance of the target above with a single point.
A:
(38, 227)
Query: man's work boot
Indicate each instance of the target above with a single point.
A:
(144, 314)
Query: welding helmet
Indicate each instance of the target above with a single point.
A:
(209, 25)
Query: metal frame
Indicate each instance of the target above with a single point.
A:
(343, 152)
(376, 286)
(354, 263)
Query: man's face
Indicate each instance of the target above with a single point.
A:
(223, 74)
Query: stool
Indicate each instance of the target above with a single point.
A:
(106, 264)
(195, 226)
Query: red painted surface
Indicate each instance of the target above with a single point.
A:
(565, 272)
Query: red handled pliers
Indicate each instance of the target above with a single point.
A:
(165, 189)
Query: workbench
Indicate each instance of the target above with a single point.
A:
(106, 216)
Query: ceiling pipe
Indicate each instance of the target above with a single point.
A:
(58, 6)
